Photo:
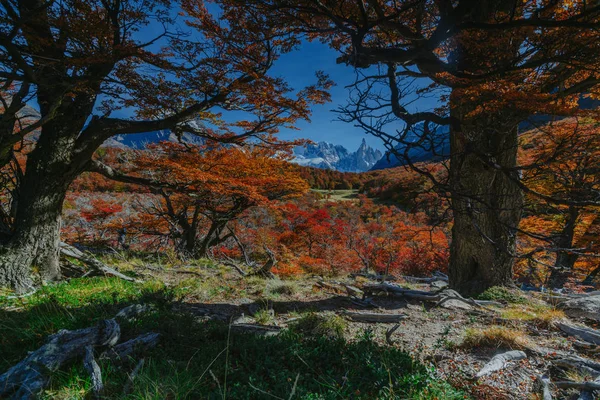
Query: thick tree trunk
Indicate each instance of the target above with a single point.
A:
(35, 242)
(486, 203)
(565, 260)
(486, 200)
(36, 238)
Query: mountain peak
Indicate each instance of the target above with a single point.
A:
(329, 156)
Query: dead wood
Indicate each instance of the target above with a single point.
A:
(586, 334)
(587, 386)
(500, 361)
(389, 333)
(375, 317)
(265, 270)
(31, 375)
(92, 368)
(591, 366)
(96, 265)
(125, 350)
(263, 330)
(589, 393)
(374, 277)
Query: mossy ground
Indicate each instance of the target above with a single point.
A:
(205, 360)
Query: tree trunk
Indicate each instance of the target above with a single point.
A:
(36, 237)
(565, 260)
(589, 280)
(486, 203)
(486, 200)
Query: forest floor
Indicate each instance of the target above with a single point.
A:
(302, 342)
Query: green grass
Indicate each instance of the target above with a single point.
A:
(337, 195)
(500, 293)
(320, 325)
(204, 360)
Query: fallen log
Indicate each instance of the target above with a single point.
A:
(92, 368)
(30, 376)
(499, 362)
(588, 394)
(577, 362)
(262, 330)
(586, 347)
(398, 291)
(375, 317)
(586, 334)
(352, 291)
(123, 351)
(436, 276)
(98, 266)
(587, 386)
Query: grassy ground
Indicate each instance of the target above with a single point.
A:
(338, 195)
(204, 360)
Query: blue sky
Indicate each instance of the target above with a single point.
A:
(298, 68)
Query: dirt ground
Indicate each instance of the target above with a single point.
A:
(445, 339)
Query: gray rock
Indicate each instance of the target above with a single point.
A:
(439, 284)
(583, 307)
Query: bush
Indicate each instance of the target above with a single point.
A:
(320, 325)
(500, 293)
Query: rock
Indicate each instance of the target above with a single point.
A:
(453, 304)
(439, 284)
(586, 307)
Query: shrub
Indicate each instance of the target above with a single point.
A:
(325, 325)
(500, 293)
(496, 336)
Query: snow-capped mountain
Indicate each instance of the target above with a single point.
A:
(330, 156)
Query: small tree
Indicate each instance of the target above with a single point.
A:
(201, 189)
(82, 61)
(563, 182)
(489, 64)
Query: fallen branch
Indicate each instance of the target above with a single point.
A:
(30, 376)
(389, 333)
(586, 334)
(588, 386)
(499, 362)
(92, 368)
(236, 267)
(586, 347)
(398, 291)
(591, 366)
(70, 251)
(123, 351)
(375, 317)
(263, 330)
(588, 394)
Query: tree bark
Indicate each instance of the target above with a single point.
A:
(486, 198)
(565, 260)
(589, 280)
(36, 238)
(486, 202)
